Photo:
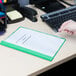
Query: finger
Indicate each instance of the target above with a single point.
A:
(66, 30)
(74, 32)
(63, 25)
(69, 32)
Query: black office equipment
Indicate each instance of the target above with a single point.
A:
(55, 19)
(27, 12)
(47, 5)
(13, 15)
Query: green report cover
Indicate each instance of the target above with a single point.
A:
(34, 42)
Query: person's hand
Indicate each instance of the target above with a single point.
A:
(69, 27)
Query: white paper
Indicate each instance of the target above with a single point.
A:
(39, 42)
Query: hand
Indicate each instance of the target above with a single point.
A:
(69, 27)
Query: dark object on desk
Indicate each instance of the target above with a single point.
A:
(25, 11)
(13, 15)
(3, 21)
(3, 24)
(47, 5)
(55, 19)
(28, 12)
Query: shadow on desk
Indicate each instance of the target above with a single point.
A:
(63, 69)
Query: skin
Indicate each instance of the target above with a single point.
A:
(69, 27)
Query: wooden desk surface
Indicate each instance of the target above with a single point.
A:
(16, 63)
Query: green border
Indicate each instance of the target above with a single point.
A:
(32, 52)
(25, 50)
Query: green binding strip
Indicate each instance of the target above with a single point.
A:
(25, 50)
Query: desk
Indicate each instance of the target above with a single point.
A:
(16, 63)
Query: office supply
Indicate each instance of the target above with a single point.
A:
(28, 12)
(47, 5)
(3, 21)
(55, 19)
(13, 15)
(34, 42)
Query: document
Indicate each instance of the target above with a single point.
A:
(34, 42)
